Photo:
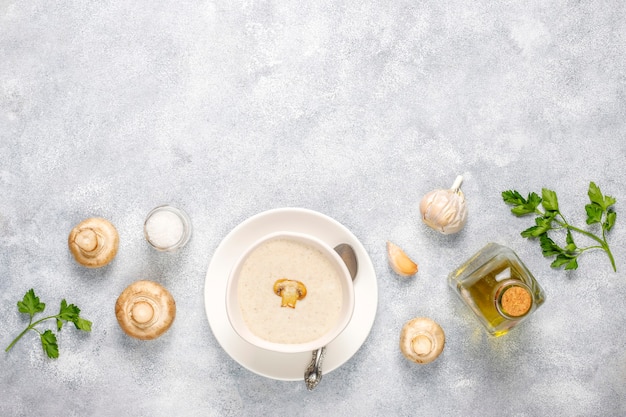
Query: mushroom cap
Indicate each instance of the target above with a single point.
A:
(93, 242)
(421, 340)
(145, 310)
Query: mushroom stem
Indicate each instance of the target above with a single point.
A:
(87, 241)
(142, 312)
(422, 344)
(457, 183)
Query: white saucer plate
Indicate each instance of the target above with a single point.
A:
(288, 366)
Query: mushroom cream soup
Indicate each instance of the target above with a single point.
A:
(313, 316)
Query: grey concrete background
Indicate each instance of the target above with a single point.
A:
(353, 108)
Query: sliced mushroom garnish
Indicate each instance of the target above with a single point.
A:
(145, 310)
(93, 242)
(422, 340)
(290, 291)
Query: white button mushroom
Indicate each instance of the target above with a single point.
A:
(421, 340)
(445, 210)
(145, 310)
(93, 242)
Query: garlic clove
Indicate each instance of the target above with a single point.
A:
(445, 210)
(399, 261)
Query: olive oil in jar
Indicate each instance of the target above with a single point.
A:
(498, 288)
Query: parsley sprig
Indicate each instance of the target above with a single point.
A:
(31, 305)
(599, 211)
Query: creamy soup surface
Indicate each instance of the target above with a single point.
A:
(261, 308)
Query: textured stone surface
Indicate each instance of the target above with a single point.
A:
(354, 109)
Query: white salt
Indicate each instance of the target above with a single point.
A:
(164, 229)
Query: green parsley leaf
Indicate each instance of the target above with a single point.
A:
(68, 312)
(533, 200)
(533, 231)
(513, 198)
(571, 245)
(522, 206)
(573, 264)
(596, 196)
(594, 213)
(49, 343)
(561, 259)
(550, 202)
(30, 304)
(82, 324)
(610, 220)
(548, 247)
(609, 201)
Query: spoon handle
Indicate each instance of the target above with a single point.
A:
(313, 373)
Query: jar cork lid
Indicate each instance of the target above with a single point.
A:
(515, 301)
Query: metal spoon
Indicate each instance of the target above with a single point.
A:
(313, 372)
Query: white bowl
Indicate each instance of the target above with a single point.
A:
(270, 306)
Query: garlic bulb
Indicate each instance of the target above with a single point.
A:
(445, 210)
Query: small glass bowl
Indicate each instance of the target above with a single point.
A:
(167, 228)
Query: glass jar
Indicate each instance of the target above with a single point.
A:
(167, 228)
(498, 288)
